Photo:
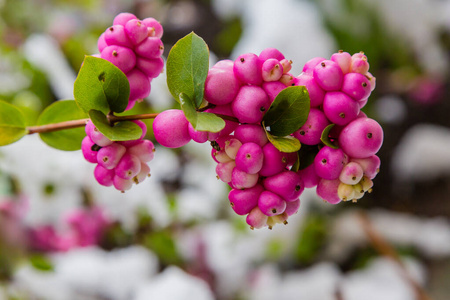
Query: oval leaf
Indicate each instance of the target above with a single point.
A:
(102, 86)
(325, 137)
(284, 144)
(121, 131)
(288, 112)
(12, 124)
(187, 68)
(61, 111)
(188, 108)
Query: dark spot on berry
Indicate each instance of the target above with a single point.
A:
(274, 211)
(95, 147)
(297, 187)
(342, 115)
(354, 178)
(293, 84)
(215, 145)
(284, 160)
(242, 59)
(341, 51)
(232, 204)
(302, 132)
(114, 53)
(324, 161)
(364, 84)
(111, 29)
(248, 155)
(262, 109)
(105, 159)
(323, 64)
(369, 135)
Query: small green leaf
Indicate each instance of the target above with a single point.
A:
(12, 124)
(284, 144)
(288, 112)
(201, 121)
(121, 131)
(101, 86)
(187, 67)
(61, 111)
(325, 137)
(40, 262)
(296, 165)
(306, 155)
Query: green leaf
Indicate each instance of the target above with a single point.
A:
(288, 112)
(41, 262)
(201, 121)
(325, 137)
(306, 155)
(284, 144)
(187, 67)
(61, 111)
(101, 86)
(12, 124)
(296, 165)
(121, 131)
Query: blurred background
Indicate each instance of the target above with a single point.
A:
(175, 236)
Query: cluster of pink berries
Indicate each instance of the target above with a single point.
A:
(338, 89)
(118, 163)
(263, 186)
(135, 47)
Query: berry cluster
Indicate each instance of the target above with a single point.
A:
(263, 186)
(338, 89)
(118, 163)
(135, 47)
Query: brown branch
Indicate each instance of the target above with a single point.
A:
(384, 248)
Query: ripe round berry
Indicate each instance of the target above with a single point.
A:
(145, 150)
(224, 170)
(151, 47)
(247, 69)
(250, 104)
(329, 162)
(136, 31)
(139, 84)
(271, 204)
(170, 128)
(269, 53)
(370, 165)
(316, 93)
(292, 207)
(343, 59)
(221, 86)
(123, 18)
(308, 68)
(286, 184)
(232, 147)
(151, 67)
(128, 166)
(108, 157)
(309, 176)
(256, 218)
(116, 35)
(274, 161)
(328, 75)
(311, 132)
(243, 201)
(154, 27)
(122, 184)
(356, 86)
(272, 70)
(339, 108)
(273, 88)
(351, 174)
(243, 180)
(89, 150)
(361, 138)
(122, 57)
(104, 176)
(328, 190)
(249, 158)
(251, 133)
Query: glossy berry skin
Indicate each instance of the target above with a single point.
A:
(271, 53)
(352, 173)
(221, 86)
(274, 161)
(232, 147)
(370, 165)
(308, 68)
(286, 184)
(271, 204)
(136, 31)
(272, 70)
(151, 47)
(116, 35)
(316, 93)
(343, 59)
(104, 176)
(151, 67)
(273, 88)
(361, 138)
(101, 43)
(243, 201)
(139, 84)
(249, 158)
(309, 176)
(128, 166)
(108, 157)
(251, 133)
(247, 69)
(243, 180)
(122, 57)
(171, 128)
(224, 170)
(339, 108)
(145, 150)
(88, 149)
(96, 136)
(256, 218)
(356, 85)
(311, 132)
(122, 184)
(123, 18)
(328, 190)
(250, 104)
(292, 207)
(329, 162)
(154, 27)
(328, 75)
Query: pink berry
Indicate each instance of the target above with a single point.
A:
(311, 132)
(96, 136)
(132, 143)
(251, 133)
(151, 47)
(243, 180)
(286, 64)
(274, 161)
(230, 126)
(359, 63)
(286, 184)
(269, 53)
(224, 170)
(128, 166)
(108, 157)
(361, 138)
(104, 176)
(292, 207)
(328, 75)
(232, 147)
(89, 150)
(115, 35)
(372, 80)
(309, 176)
(154, 27)
(273, 88)
(256, 218)
(221, 86)
(243, 201)
(171, 128)
(329, 162)
(139, 84)
(343, 59)
(272, 70)
(143, 173)
(311, 64)
(136, 31)
(151, 67)
(328, 190)
(271, 204)
(144, 150)
(370, 165)
(356, 86)
(123, 18)
(251, 104)
(339, 108)
(249, 158)
(220, 156)
(101, 43)
(197, 136)
(247, 69)
(122, 57)
(316, 93)
(122, 184)
(351, 174)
